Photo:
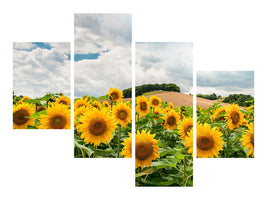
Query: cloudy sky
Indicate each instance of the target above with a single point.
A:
(102, 45)
(225, 82)
(39, 68)
(165, 63)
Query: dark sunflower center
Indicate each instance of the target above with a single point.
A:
(97, 126)
(235, 117)
(40, 109)
(63, 102)
(80, 105)
(114, 96)
(143, 106)
(106, 105)
(205, 143)
(96, 106)
(20, 117)
(155, 102)
(252, 139)
(58, 122)
(122, 115)
(187, 129)
(143, 150)
(171, 120)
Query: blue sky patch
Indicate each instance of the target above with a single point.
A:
(43, 45)
(90, 56)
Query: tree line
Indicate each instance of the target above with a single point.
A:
(212, 96)
(240, 99)
(139, 90)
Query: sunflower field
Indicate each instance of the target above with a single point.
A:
(101, 125)
(225, 131)
(51, 111)
(163, 143)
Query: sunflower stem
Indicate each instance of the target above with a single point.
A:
(137, 121)
(184, 175)
(95, 152)
(111, 104)
(119, 141)
(227, 143)
(112, 149)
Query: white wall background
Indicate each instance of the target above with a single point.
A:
(226, 35)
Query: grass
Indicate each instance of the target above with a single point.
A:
(155, 92)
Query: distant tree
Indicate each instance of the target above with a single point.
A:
(240, 99)
(139, 90)
(212, 96)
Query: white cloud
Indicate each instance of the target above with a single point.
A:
(224, 92)
(225, 82)
(96, 33)
(23, 45)
(61, 46)
(40, 71)
(95, 77)
(165, 63)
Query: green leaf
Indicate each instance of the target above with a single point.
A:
(162, 163)
(179, 157)
(31, 127)
(84, 150)
(35, 101)
(37, 115)
(166, 152)
(104, 152)
(146, 171)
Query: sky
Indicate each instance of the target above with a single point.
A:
(39, 68)
(102, 53)
(225, 83)
(164, 62)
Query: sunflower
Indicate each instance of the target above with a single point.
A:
(129, 103)
(171, 120)
(21, 112)
(248, 139)
(245, 123)
(86, 98)
(142, 106)
(96, 127)
(166, 110)
(209, 141)
(185, 126)
(171, 106)
(234, 116)
(127, 149)
(155, 101)
(58, 117)
(78, 112)
(40, 108)
(105, 104)
(63, 100)
(157, 111)
(97, 105)
(146, 149)
(25, 98)
(79, 103)
(122, 114)
(115, 94)
(218, 112)
(189, 142)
